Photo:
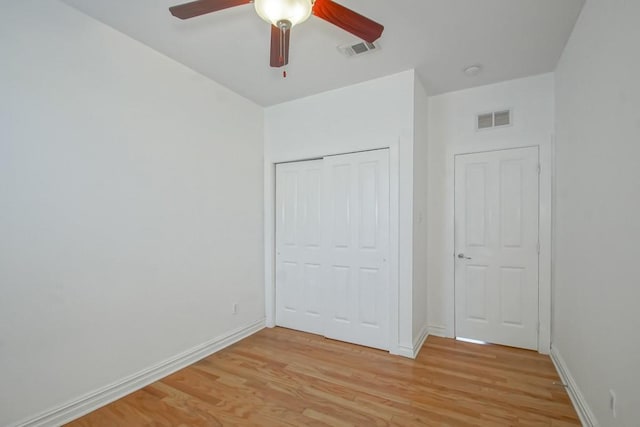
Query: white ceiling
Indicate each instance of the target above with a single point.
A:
(439, 38)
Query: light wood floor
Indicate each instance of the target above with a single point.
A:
(284, 377)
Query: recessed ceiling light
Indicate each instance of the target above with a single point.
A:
(473, 70)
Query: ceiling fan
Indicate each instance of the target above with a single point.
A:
(284, 15)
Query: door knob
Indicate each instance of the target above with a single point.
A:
(461, 256)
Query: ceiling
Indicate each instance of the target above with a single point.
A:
(439, 38)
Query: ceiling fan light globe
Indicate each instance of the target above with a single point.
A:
(294, 11)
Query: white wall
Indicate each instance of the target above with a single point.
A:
(420, 206)
(370, 115)
(596, 281)
(130, 208)
(452, 130)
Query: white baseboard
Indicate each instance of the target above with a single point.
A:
(403, 351)
(438, 331)
(417, 346)
(412, 352)
(587, 418)
(105, 395)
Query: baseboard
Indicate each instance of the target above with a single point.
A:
(404, 351)
(417, 346)
(587, 418)
(412, 352)
(96, 399)
(438, 331)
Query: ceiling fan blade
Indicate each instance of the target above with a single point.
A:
(202, 7)
(279, 46)
(348, 20)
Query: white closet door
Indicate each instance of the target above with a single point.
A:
(356, 238)
(299, 292)
(496, 239)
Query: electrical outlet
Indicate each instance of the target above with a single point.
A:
(612, 403)
(235, 308)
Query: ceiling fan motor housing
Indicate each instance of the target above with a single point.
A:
(274, 11)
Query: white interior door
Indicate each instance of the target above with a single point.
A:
(299, 255)
(357, 242)
(332, 247)
(496, 241)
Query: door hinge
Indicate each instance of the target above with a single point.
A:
(538, 248)
(538, 327)
(539, 168)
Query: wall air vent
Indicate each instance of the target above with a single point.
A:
(358, 48)
(492, 120)
(485, 121)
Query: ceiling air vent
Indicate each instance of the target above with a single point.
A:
(491, 120)
(358, 48)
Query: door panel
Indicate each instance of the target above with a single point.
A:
(511, 203)
(512, 282)
(312, 207)
(496, 240)
(298, 246)
(289, 207)
(358, 210)
(368, 198)
(339, 288)
(290, 293)
(476, 205)
(476, 293)
(341, 196)
(369, 288)
(312, 289)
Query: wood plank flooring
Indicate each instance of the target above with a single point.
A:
(284, 377)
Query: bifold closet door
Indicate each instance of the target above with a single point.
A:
(332, 247)
(356, 238)
(299, 293)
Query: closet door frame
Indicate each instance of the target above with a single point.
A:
(394, 238)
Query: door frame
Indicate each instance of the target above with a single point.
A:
(544, 235)
(394, 237)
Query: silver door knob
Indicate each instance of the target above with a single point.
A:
(461, 256)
